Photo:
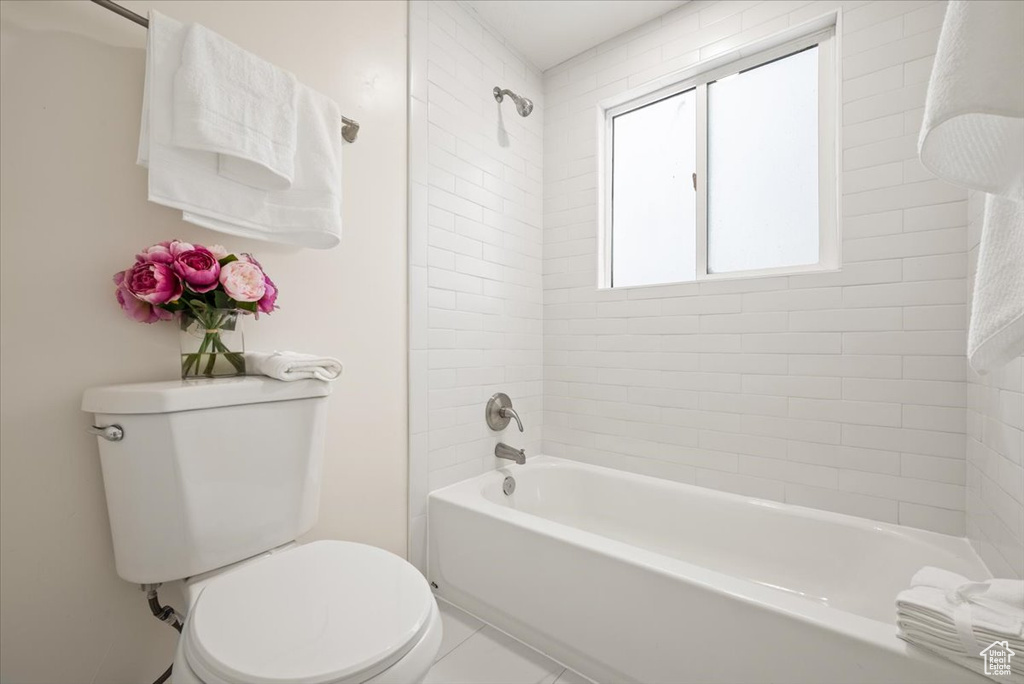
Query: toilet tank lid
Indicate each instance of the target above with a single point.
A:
(189, 395)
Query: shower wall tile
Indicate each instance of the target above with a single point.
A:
(844, 391)
(475, 244)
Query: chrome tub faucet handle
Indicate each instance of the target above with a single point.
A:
(499, 413)
(509, 412)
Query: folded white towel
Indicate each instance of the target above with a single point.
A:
(292, 366)
(973, 134)
(308, 214)
(1010, 592)
(933, 607)
(229, 101)
(957, 619)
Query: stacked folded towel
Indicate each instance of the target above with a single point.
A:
(236, 143)
(957, 619)
(290, 366)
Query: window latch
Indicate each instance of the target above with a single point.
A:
(695, 182)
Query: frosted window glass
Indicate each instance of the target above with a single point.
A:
(653, 201)
(763, 166)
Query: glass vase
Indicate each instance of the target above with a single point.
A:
(211, 344)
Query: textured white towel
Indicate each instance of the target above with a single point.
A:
(957, 619)
(308, 214)
(996, 332)
(1010, 592)
(229, 101)
(973, 135)
(292, 366)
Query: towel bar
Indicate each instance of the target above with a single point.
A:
(349, 127)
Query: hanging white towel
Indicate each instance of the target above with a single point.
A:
(996, 332)
(289, 366)
(229, 101)
(308, 214)
(973, 135)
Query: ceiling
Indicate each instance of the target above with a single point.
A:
(548, 32)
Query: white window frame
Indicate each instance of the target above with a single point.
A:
(821, 32)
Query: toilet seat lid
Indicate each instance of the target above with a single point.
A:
(324, 612)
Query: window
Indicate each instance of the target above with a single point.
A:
(730, 172)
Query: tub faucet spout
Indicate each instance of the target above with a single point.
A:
(505, 451)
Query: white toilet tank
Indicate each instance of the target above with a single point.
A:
(208, 472)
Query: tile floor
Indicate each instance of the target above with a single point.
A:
(475, 653)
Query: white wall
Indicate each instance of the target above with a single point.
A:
(844, 391)
(995, 448)
(475, 292)
(74, 210)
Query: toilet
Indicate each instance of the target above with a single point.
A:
(209, 484)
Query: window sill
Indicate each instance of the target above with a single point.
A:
(732, 277)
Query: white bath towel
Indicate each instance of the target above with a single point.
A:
(957, 619)
(292, 366)
(229, 101)
(996, 332)
(308, 214)
(973, 134)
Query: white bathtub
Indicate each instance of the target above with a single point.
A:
(627, 578)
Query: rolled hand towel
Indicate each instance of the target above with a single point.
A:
(290, 366)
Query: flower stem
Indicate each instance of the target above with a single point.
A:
(211, 342)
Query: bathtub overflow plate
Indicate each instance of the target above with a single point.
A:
(509, 485)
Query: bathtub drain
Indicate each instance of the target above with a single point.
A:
(509, 485)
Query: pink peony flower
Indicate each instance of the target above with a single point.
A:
(243, 281)
(198, 268)
(154, 283)
(176, 247)
(133, 307)
(159, 253)
(267, 302)
(218, 251)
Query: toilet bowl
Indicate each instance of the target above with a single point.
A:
(321, 613)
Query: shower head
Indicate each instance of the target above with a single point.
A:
(524, 105)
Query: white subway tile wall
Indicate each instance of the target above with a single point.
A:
(475, 243)
(995, 449)
(844, 391)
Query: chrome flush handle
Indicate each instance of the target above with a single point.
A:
(111, 433)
